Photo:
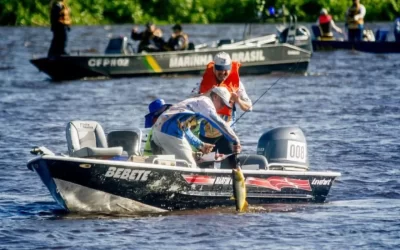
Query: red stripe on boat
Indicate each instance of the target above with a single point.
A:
(278, 183)
(199, 179)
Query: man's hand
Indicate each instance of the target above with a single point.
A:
(207, 148)
(234, 97)
(237, 148)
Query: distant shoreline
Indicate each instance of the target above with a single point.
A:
(138, 12)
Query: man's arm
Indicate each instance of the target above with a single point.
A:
(204, 108)
(193, 140)
(136, 35)
(362, 13)
(336, 28)
(242, 99)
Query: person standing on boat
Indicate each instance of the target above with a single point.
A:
(223, 72)
(355, 21)
(396, 30)
(326, 24)
(60, 26)
(172, 133)
(150, 40)
(156, 108)
(179, 40)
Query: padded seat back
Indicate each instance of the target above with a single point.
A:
(130, 140)
(87, 138)
(117, 45)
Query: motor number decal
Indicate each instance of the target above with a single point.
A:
(296, 151)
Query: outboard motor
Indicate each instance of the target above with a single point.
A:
(225, 41)
(285, 149)
(296, 35)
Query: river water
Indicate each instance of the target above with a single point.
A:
(347, 105)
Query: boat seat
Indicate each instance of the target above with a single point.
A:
(129, 140)
(118, 45)
(191, 46)
(87, 139)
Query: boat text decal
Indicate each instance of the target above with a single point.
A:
(202, 60)
(127, 174)
(190, 61)
(323, 182)
(108, 62)
(249, 56)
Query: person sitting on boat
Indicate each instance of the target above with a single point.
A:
(223, 72)
(355, 21)
(172, 133)
(60, 25)
(326, 24)
(150, 40)
(156, 108)
(178, 40)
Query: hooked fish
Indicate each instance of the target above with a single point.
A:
(239, 189)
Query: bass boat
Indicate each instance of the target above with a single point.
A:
(108, 174)
(378, 43)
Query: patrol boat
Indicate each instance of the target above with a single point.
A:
(108, 174)
(289, 51)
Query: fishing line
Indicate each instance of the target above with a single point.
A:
(265, 92)
(289, 73)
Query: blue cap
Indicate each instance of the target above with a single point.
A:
(271, 11)
(154, 108)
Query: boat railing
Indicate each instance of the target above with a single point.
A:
(253, 42)
(287, 167)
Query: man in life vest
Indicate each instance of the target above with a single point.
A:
(172, 130)
(223, 72)
(355, 21)
(60, 25)
(150, 39)
(179, 40)
(326, 24)
(156, 108)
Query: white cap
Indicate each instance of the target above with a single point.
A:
(222, 61)
(324, 11)
(224, 94)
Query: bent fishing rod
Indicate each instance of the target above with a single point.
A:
(270, 87)
(233, 160)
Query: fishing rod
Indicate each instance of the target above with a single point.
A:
(265, 92)
(233, 160)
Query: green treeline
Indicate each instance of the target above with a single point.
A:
(85, 12)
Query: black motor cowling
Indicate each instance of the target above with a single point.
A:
(285, 148)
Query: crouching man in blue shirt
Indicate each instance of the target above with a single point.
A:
(172, 134)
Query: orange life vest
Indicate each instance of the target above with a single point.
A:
(325, 25)
(231, 83)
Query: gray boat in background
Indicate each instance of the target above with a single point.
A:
(288, 51)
